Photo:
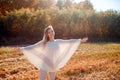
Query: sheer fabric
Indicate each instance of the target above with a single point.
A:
(51, 56)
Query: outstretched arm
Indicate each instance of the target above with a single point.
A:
(17, 48)
(84, 39)
(32, 46)
(73, 40)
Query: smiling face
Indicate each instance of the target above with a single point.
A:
(49, 34)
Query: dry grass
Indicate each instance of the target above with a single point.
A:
(90, 62)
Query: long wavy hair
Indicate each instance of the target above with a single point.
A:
(45, 36)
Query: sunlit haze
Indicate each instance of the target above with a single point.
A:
(103, 5)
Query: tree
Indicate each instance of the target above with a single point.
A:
(85, 5)
(45, 4)
(60, 4)
(67, 3)
(8, 5)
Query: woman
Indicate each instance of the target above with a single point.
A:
(50, 54)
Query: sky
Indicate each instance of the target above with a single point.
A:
(103, 5)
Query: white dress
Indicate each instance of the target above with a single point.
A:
(53, 56)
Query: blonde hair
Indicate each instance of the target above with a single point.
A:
(45, 37)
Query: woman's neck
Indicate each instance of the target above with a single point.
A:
(51, 39)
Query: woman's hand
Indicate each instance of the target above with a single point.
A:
(84, 39)
(18, 48)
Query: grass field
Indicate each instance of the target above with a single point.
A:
(91, 61)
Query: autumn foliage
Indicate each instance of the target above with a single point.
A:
(70, 20)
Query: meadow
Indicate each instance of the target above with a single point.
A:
(91, 61)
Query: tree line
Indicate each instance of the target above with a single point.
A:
(70, 20)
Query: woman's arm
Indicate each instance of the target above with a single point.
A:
(38, 44)
(84, 39)
(62, 41)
